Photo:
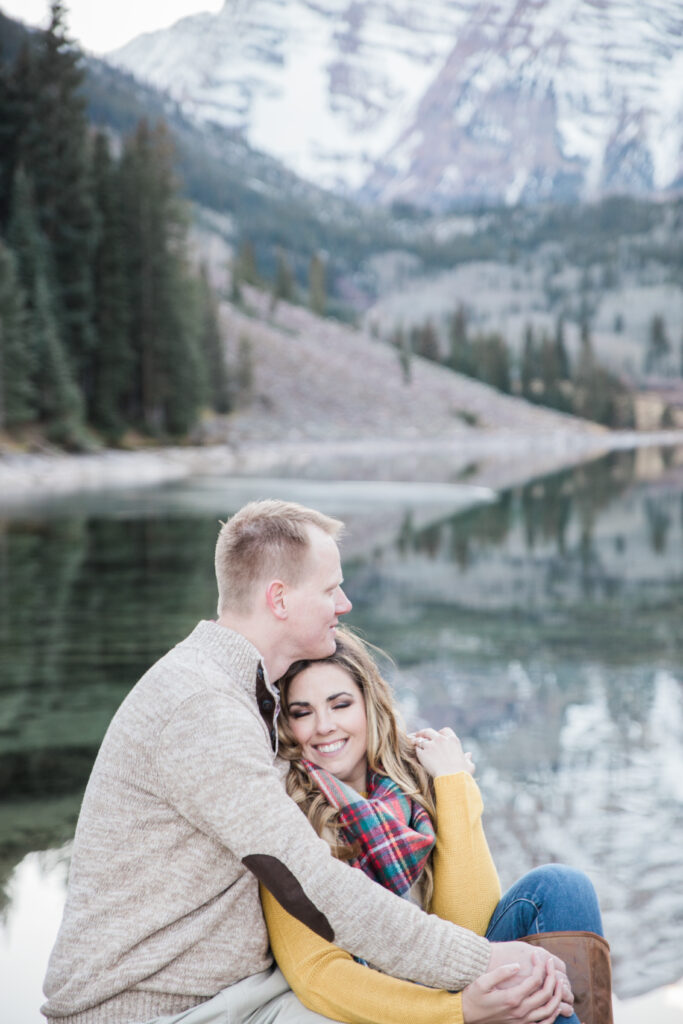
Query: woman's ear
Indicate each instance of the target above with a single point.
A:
(276, 598)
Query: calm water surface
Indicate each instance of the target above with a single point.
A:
(546, 628)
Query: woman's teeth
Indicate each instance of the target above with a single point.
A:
(330, 748)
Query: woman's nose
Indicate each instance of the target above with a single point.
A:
(343, 603)
(325, 724)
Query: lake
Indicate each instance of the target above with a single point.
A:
(545, 626)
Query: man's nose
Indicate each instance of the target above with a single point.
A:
(343, 603)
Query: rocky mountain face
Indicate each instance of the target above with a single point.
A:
(515, 100)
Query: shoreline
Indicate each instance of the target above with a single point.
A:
(494, 459)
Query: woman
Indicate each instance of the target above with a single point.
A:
(340, 732)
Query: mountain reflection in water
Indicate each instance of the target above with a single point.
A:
(545, 628)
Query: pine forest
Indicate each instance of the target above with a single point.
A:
(105, 325)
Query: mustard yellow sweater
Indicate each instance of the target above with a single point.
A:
(466, 892)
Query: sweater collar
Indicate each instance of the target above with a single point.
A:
(234, 653)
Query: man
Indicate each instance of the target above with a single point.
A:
(185, 812)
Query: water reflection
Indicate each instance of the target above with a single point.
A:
(547, 630)
(545, 627)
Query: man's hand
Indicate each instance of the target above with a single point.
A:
(524, 985)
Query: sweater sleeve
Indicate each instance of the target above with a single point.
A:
(216, 768)
(330, 982)
(466, 885)
(466, 891)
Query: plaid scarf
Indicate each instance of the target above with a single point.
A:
(395, 834)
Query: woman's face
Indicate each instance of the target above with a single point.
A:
(327, 717)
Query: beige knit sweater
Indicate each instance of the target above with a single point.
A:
(184, 812)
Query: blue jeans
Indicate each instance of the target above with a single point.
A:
(553, 898)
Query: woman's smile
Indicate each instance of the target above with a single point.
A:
(330, 748)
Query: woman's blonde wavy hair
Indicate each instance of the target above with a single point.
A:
(389, 750)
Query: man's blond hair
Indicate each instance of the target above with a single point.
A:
(265, 538)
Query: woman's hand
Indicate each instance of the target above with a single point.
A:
(503, 996)
(441, 753)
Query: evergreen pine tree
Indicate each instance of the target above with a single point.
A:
(317, 293)
(405, 356)
(594, 393)
(491, 361)
(213, 347)
(586, 361)
(17, 397)
(460, 357)
(561, 356)
(549, 366)
(235, 283)
(54, 146)
(186, 370)
(427, 342)
(400, 341)
(528, 370)
(244, 374)
(112, 359)
(59, 398)
(499, 360)
(168, 375)
(17, 91)
(246, 263)
(57, 401)
(283, 283)
(659, 346)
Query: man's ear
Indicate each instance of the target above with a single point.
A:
(275, 598)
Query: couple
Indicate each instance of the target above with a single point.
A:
(185, 813)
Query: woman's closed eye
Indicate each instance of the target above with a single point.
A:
(303, 712)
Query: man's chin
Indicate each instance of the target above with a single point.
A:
(330, 647)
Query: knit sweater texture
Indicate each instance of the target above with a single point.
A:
(162, 911)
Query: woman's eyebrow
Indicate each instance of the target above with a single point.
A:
(307, 704)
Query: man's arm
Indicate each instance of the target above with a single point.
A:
(217, 770)
(329, 981)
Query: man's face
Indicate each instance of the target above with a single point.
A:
(316, 603)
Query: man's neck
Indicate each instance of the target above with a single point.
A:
(271, 655)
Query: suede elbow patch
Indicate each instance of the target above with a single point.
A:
(287, 890)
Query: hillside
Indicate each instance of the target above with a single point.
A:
(319, 380)
(322, 399)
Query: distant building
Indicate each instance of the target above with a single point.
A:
(658, 403)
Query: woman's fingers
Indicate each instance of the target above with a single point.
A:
(441, 753)
(426, 734)
(500, 996)
(545, 1004)
(494, 979)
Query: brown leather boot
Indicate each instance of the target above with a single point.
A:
(588, 967)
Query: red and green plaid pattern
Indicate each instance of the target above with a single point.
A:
(394, 833)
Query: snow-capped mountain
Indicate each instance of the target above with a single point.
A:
(515, 99)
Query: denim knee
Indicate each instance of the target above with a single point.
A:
(567, 896)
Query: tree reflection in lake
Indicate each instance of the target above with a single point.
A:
(87, 606)
(546, 628)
